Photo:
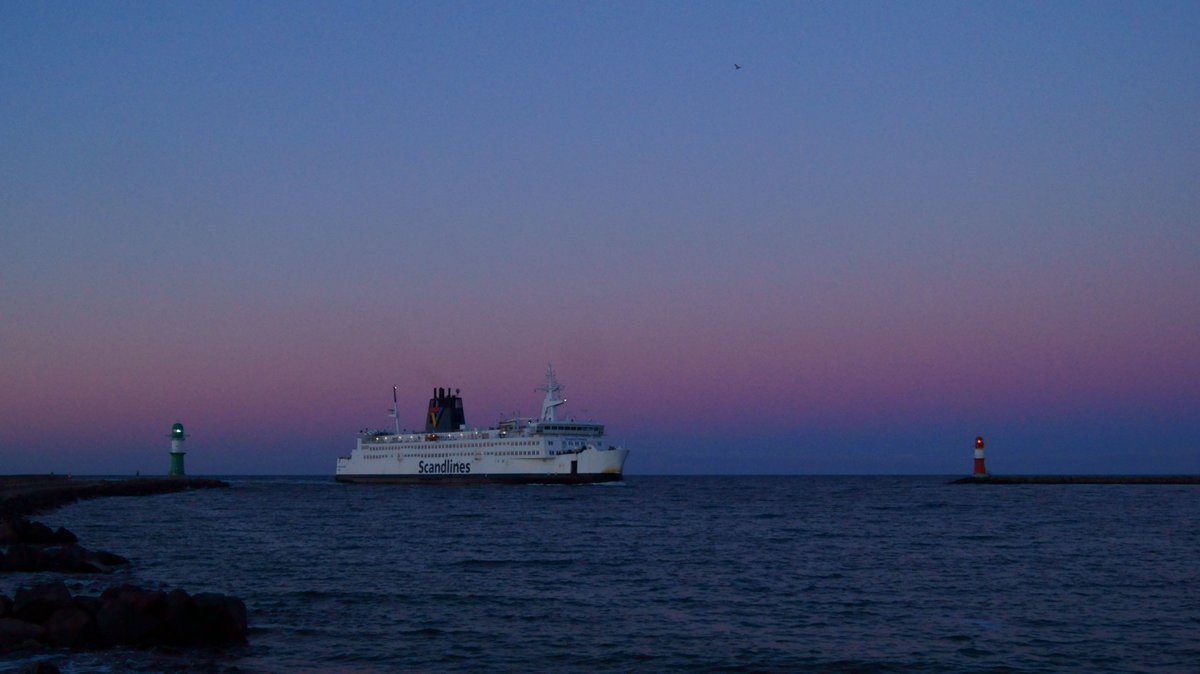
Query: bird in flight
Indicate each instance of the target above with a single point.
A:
(736, 67)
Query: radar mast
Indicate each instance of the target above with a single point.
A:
(552, 400)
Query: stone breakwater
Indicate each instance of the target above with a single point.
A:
(29, 494)
(124, 615)
(33, 547)
(48, 616)
(1079, 479)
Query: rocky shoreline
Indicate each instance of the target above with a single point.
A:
(32, 547)
(47, 615)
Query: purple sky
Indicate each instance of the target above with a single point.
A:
(896, 227)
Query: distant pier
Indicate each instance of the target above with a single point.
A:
(981, 476)
(28, 494)
(1079, 479)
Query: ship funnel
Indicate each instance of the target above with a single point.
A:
(445, 412)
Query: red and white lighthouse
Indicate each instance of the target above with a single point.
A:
(979, 469)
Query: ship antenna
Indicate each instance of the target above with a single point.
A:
(552, 400)
(395, 413)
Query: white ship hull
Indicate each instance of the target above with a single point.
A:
(544, 450)
(452, 462)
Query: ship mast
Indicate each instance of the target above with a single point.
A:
(395, 413)
(552, 400)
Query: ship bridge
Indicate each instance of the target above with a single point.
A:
(570, 428)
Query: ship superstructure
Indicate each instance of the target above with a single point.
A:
(518, 450)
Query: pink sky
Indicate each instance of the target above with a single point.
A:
(853, 255)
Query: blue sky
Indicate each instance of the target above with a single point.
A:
(896, 227)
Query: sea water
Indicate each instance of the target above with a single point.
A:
(705, 574)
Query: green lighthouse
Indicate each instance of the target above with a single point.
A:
(177, 437)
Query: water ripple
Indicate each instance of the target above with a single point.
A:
(711, 574)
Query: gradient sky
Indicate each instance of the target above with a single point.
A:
(898, 226)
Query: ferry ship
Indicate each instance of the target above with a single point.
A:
(517, 450)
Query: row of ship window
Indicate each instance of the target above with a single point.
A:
(444, 455)
(491, 444)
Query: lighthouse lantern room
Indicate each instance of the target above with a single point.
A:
(177, 437)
